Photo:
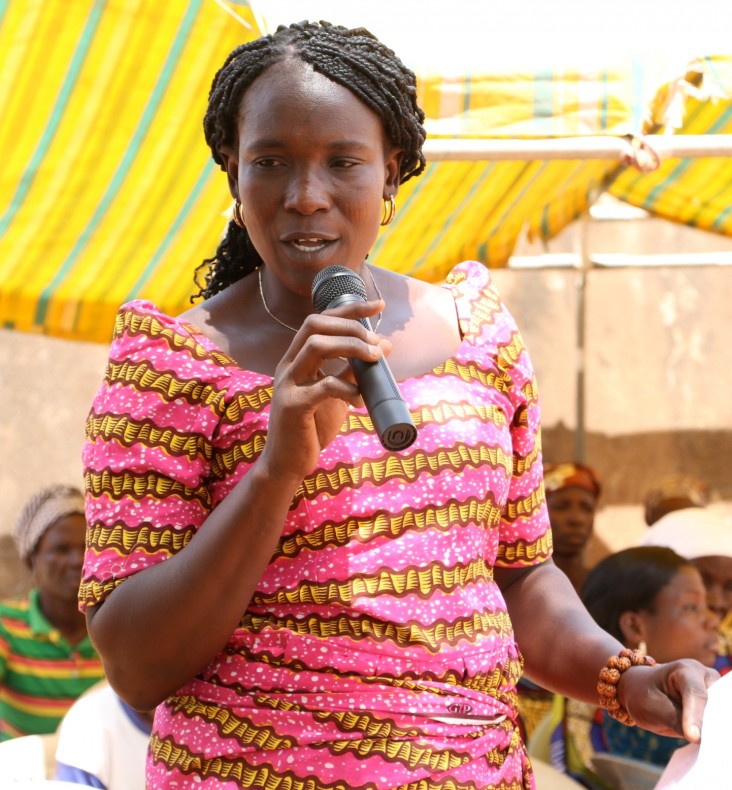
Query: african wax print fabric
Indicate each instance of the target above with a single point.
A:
(377, 622)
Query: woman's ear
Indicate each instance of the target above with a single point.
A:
(393, 173)
(632, 627)
(231, 165)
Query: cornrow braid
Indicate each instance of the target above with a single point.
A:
(353, 58)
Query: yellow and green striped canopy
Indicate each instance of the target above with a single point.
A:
(108, 192)
(695, 192)
(108, 189)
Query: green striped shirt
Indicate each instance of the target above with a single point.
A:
(41, 674)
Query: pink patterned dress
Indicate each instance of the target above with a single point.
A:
(377, 651)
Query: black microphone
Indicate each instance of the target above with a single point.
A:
(337, 285)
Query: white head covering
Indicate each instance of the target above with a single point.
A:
(692, 532)
(40, 512)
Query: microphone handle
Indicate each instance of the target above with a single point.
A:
(386, 407)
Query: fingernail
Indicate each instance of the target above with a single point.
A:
(695, 732)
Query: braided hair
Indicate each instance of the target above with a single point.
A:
(353, 58)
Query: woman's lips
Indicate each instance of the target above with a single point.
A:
(309, 244)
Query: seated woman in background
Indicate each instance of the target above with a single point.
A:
(572, 491)
(46, 657)
(704, 537)
(654, 600)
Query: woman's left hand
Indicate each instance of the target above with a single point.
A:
(668, 699)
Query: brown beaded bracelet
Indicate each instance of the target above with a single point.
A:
(610, 674)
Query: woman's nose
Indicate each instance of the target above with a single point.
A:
(307, 193)
(579, 517)
(713, 620)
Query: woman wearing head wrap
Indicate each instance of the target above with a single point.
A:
(572, 491)
(46, 657)
(675, 492)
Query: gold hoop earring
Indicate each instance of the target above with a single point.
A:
(237, 216)
(389, 212)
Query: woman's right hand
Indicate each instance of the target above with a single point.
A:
(314, 386)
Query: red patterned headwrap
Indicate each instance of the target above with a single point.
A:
(558, 476)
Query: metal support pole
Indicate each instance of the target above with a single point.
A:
(667, 146)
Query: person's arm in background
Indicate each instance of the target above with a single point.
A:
(564, 650)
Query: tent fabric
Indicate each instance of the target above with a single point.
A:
(108, 191)
(695, 192)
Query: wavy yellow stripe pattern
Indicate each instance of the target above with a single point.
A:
(412, 581)
(357, 628)
(142, 485)
(127, 431)
(173, 755)
(119, 537)
(134, 323)
(230, 725)
(391, 525)
(409, 468)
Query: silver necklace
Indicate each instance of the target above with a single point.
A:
(295, 329)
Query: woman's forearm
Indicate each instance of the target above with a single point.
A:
(563, 647)
(160, 627)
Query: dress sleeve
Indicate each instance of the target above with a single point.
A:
(525, 537)
(148, 448)
(524, 533)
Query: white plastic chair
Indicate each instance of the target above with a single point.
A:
(30, 758)
(548, 778)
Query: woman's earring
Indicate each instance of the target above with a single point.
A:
(236, 215)
(643, 647)
(389, 211)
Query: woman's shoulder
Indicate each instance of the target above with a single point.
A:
(478, 303)
(142, 329)
(471, 282)
(469, 274)
(141, 316)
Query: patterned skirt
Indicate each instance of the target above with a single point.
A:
(290, 748)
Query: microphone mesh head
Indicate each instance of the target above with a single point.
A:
(333, 282)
